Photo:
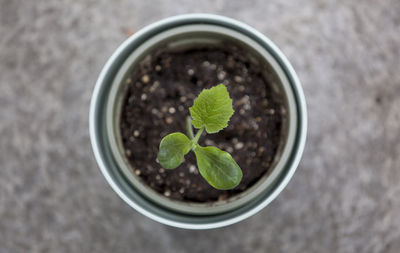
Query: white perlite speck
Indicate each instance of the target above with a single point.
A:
(238, 79)
(192, 168)
(190, 72)
(221, 75)
(209, 142)
(145, 79)
(171, 110)
(239, 145)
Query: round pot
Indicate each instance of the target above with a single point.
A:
(181, 32)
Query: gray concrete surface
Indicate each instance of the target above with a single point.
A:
(345, 196)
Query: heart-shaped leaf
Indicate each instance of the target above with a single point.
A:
(212, 109)
(218, 167)
(173, 148)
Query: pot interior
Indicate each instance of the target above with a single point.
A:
(195, 37)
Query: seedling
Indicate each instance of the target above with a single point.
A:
(211, 111)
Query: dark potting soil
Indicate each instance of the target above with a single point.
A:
(159, 94)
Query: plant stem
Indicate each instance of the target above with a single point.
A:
(189, 128)
(198, 134)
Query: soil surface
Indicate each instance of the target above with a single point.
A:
(160, 92)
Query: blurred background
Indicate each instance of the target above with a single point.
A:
(344, 196)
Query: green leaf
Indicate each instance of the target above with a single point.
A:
(212, 109)
(173, 148)
(218, 167)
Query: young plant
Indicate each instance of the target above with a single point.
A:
(211, 111)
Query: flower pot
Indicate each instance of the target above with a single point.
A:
(188, 31)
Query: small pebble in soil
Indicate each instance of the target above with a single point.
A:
(187, 182)
(158, 68)
(182, 99)
(271, 111)
(190, 72)
(213, 66)
(238, 79)
(258, 119)
(136, 133)
(128, 152)
(181, 108)
(246, 99)
(145, 79)
(247, 107)
(221, 75)
(167, 193)
(260, 151)
(164, 109)
(158, 178)
(154, 86)
(181, 190)
(137, 172)
(209, 142)
(235, 140)
(161, 170)
(242, 111)
(171, 110)
(241, 101)
(131, 139)
(181, 174)
(192, 168)
(169, 120)
(128, 81)
(229, 149)
(241, 88)
(206, 63)
(154, 111)
(144, 96)
(239, 145)
(254, 125)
